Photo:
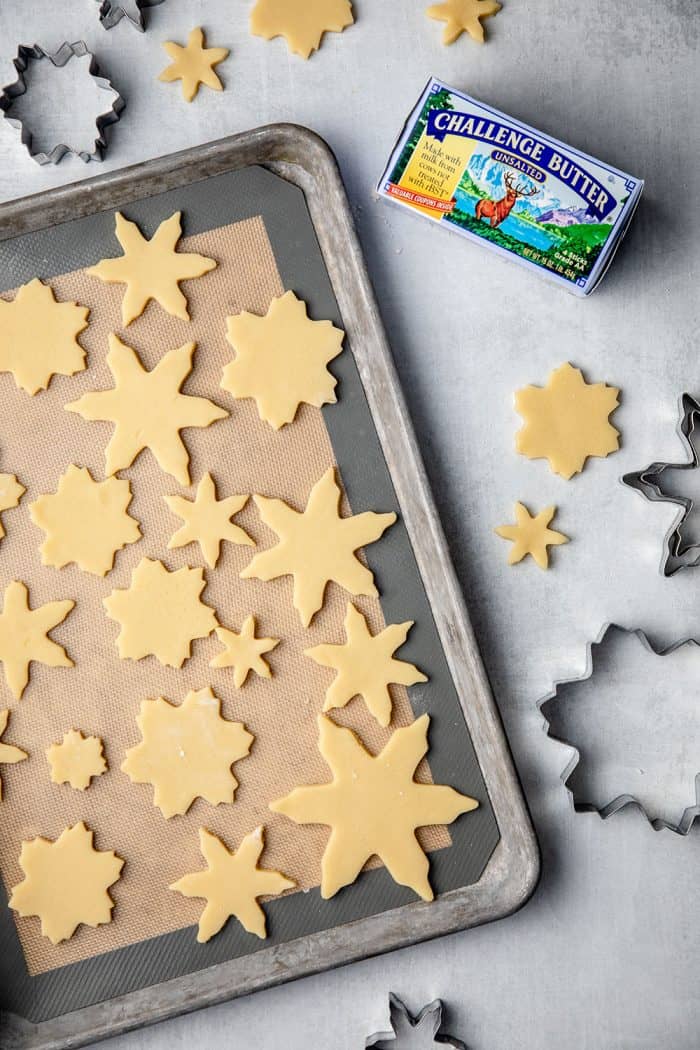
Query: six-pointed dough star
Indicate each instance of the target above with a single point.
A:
(66, 883)
(9, 754)
(11, 493)
(24, 636)
(244, 652)
(463, 16)
(76, 760)
(531, 535)
(152, 269)
(148, 409)
(317, 546)
(160, 613)
(566, 421)
(231, 884)
(301, 22)
(186, 752)
(366, 665)
(281, 359)
(85, 521)
(39, 337)
(208, 520)
(193, 64)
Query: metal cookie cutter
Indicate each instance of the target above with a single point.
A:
(414, 1033)
(112, 12)
(656, 484)
(66, 52)
(637, 735)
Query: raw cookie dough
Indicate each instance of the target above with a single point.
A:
(186, 752)
(24, 636)
(193, 64)
(301, 22)
(85, 521)
(244, 652)
(160, 613)
(366, 665)
(9, 755)
(152, 269)
(39, 337)
(531, 535)
(567, 421)
(317, 546)
(208, 520)
(76, 760)
(281, 359)
(463, 16)
(66, 883)
(373, 806)
(11, 493)
(148, 409)
(231, 884)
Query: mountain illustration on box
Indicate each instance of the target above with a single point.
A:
(486, 177)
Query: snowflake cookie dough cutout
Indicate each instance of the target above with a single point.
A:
(281, 359)
(76, 760)
(24, 636)
(66, 883)
(244, 652)
(11, 492)
(85, 521)
(160, 613)
(186, 752)
(301, 22)
(366, 665)
(531, 535)
(39, 337)
(148, 409)
(317, 545)
(152, 269)
(207, 521)
(193, 64)
(9, 755)
(463, 16)
(232, 884)
(566, 421)
(374, 806)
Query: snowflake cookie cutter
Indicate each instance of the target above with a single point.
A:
(112, 12)
(414, 1033)
(554, 730)
(11, 92)
(649, 482)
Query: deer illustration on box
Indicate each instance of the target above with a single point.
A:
(498, 211)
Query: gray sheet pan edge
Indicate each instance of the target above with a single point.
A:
(511, 875)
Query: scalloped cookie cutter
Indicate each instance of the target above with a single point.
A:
(554, 723)
(112, 12)
(11, 92)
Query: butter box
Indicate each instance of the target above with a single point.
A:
(519, 191)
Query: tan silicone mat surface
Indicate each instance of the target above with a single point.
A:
(102, 694)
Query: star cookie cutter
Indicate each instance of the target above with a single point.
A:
(11, 92)
(554, 721)
(650, 483)
(414, 1033)
(112, 12)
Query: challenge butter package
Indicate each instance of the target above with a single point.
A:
(516, 189)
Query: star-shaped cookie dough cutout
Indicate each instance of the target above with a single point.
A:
(373, 806)
(244, 652)
(281, 359)
(301, 22)
(463, 16)
(66, 883)
(39, 337)
(9, 755)
(24, 636)
(160, 613)
(531, 535)
(366, 665)
(76, 760)
(148, 409)
(186, 752)
(193, 64)
(11, 493)
(208, 520)
(152, 269)
(567, 421)
(317, 545)
(85, 521)
(232, 884)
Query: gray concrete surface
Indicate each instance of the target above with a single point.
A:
(605, 955)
